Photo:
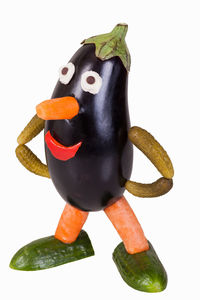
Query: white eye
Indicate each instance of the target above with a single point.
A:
(66, 73)
(91, 82)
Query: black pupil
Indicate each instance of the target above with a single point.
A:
(64, 71)
(90, 79)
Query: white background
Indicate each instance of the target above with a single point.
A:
(37, 37)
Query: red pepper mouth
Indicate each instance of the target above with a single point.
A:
(60, 151)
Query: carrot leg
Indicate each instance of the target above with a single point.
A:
(70, 224)
(125, 222)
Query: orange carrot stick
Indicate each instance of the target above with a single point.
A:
(70, 224)
(58, 108)
(125, 222)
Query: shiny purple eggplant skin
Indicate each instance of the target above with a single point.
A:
(95, 177)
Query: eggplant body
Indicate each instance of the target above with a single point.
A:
(95, 177)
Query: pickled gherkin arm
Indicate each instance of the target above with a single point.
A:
(155, 189)
(33, 128)
(31, 162)
(144, 141)
(27, 158)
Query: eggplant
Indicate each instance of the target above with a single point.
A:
(94, 178)
(89, 154)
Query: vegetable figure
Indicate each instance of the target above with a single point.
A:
(89, 151)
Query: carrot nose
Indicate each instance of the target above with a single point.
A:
(58, 108)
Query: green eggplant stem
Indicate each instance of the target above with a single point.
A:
(112, 44)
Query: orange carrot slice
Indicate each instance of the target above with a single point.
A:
(125, 222)
(58, 108)
(70, 224)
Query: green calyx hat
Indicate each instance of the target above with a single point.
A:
(112, 44)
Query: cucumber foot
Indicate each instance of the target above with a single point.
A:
(49, 252)
(142, 271)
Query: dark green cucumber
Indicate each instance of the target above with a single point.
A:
(49, 252)
(142, 271)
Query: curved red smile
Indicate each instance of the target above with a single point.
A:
(60, 151)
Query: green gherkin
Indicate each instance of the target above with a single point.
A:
(31, 162)
(49, 252)
(32, 129)
(142, 271)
